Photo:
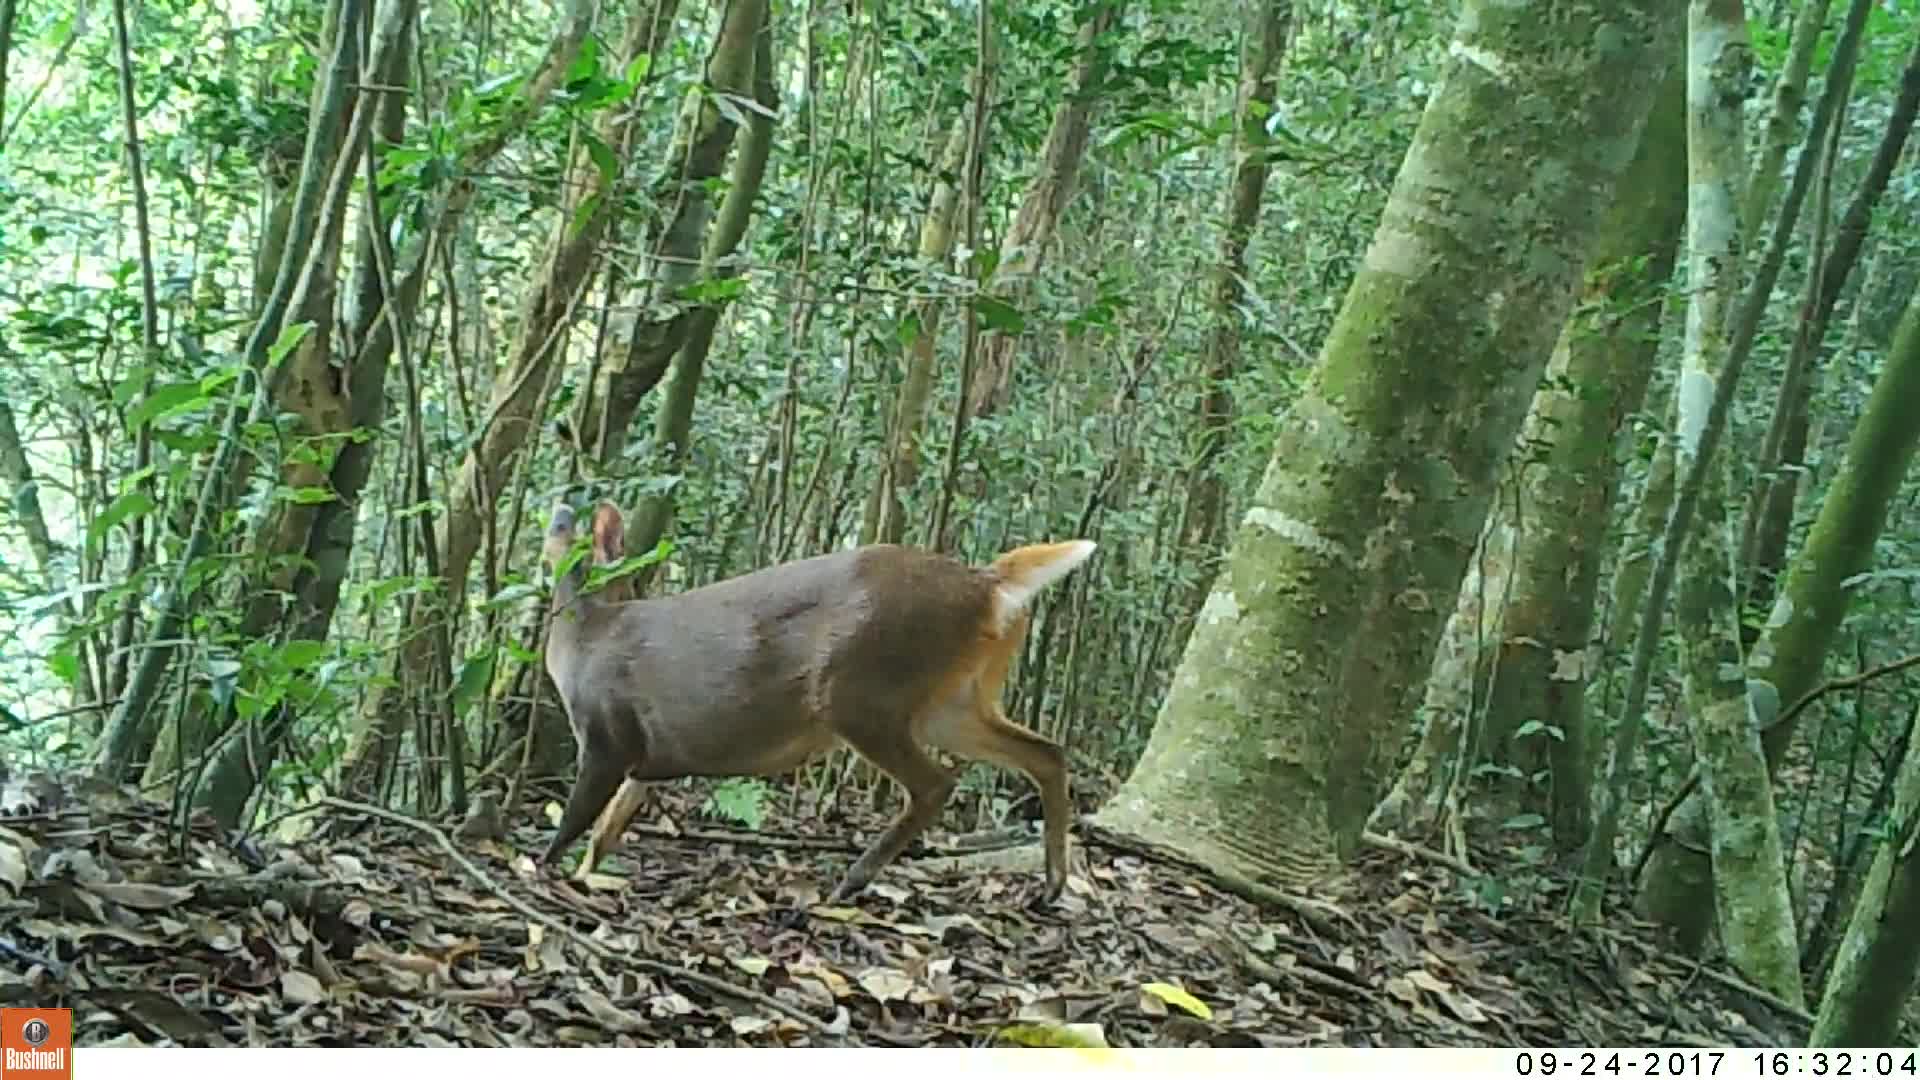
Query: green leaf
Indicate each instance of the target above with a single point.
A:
(1523, 821)
(908, 330)
(302, 653)
(583, 213)
(129, 387)
(714, 290)
(1179, 999)
(739, 799)
(65, 665)
(999, 315)
(1043, 1035)
(125, 508)
(164, 401)
(602, 156)
(290, 336)
(476, 674)
(308, 496)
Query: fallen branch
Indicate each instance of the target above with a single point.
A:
(654, 967)
(1419, 851)
(1275, 975)
(1765, 997)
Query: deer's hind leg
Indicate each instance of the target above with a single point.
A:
(970, 724)
(878, 732)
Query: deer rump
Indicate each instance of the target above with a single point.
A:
(885, 648)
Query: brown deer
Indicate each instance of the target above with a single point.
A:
(884, 648)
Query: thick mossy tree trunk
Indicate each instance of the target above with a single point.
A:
(1517, 651)
(1311, 649)
(1755, 911)
(1873, 975)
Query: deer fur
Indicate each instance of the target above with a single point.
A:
(884, 648)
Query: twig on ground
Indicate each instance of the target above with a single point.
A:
(1419, 851)
(655, 967)
(1765, 997)
(1278, 976)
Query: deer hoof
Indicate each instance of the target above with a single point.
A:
(1044, 896)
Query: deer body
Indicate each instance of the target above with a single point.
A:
(886, 649)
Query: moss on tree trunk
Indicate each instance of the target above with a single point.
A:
(1311, 649)
(1873, 975)
(1516, 654)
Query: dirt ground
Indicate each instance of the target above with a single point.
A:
(394, 934)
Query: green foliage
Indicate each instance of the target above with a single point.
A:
(742, 800)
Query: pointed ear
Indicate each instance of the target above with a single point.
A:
(559, 534)
(609, 535)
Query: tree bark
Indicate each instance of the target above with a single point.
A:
(1772, 521)
(129, 726)
(673, 425)
(1518, 649)
(1676, 889)
(1266, 43)
(1754, 907)
(885, 518)
(1783, 120)
(702, 140)
(327, 544)
(1873, 975)
(1024, 251)
(546, 310)
(1307, 657)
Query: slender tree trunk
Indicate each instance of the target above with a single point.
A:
(1676, 889)
(701, 142)
(1266, 44)
(1783, 120)
(1631, 572)
(884, 520)
(674, 423)
(1310, 651)
(1772, 523)
(546, 312)
(128, 729)
(1754, 906)
(1024, 252)
(327, 546)
(1873, 975)
(1518, 649)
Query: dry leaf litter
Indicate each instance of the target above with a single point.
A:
(692, 934)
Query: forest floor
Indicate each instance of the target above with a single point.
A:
(397, 934)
